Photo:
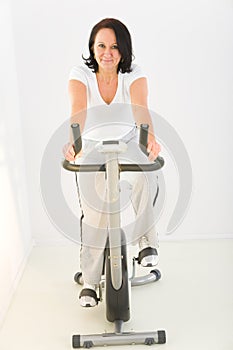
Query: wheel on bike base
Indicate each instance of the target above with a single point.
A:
(161, 339)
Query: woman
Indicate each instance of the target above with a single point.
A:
(109, 78)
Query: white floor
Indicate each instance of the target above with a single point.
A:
(193, 301)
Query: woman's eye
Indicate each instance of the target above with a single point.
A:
(102, 46)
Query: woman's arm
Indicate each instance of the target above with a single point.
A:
(78, 102)
(139, 97)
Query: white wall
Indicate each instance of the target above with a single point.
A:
(186, 49)
(15, 235)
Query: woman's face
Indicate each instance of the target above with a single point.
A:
(106, 50)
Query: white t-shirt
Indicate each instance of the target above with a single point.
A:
(107, 121)
(88, 78)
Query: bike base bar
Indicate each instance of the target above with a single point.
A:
(125, 338)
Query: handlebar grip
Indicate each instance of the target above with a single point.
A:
(77, 137)
(143, 138)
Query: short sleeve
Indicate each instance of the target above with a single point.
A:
(136, 73)
(78, 73)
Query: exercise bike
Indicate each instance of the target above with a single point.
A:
(116, 281)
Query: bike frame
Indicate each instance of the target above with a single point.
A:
(118, 274)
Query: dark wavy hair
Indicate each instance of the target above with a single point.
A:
(124, 44)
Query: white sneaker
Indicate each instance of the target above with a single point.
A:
(149, 261)
(88, 296)
(148, 256)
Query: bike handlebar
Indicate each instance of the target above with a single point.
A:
(143, 137)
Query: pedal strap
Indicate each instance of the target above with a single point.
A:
(87, 292)
(146, 252)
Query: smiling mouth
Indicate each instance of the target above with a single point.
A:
(104, 60)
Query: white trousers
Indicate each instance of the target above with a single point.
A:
(137, 195)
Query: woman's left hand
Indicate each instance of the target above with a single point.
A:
(153, 148)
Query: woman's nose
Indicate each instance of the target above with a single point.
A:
(107, 51)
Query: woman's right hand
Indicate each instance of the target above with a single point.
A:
(69, 152)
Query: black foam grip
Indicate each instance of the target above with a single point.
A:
(77, 137)
(143, 138)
